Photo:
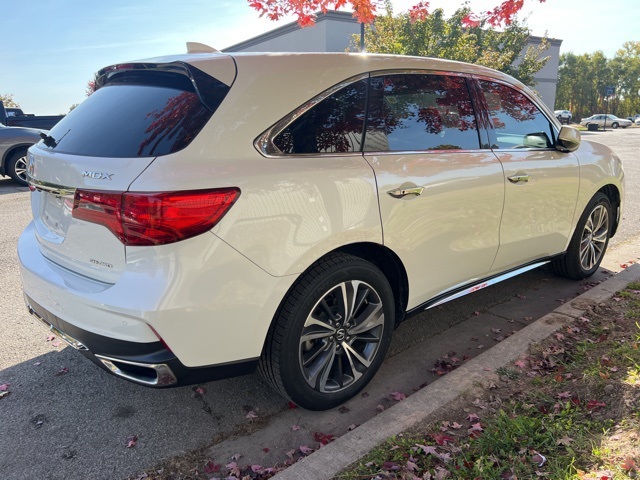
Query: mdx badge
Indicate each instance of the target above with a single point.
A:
(97, 175)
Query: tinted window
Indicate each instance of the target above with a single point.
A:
(137, 114)
(517, 122)
(333, 125)
(420, 112)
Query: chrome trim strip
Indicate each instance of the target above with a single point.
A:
(57, 190)
(164, 374)
(424, 152)
(67, 338)
(418, 71)
(484, 284)
(264, 143)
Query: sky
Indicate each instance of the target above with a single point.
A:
(50, 49)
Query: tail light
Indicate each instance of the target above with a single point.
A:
(139, 219)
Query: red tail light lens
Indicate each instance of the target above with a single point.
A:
(139, 219)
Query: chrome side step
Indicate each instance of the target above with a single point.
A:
(149, 374)
(483, 284)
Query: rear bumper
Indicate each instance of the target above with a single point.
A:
(149, 364)
(207, 304)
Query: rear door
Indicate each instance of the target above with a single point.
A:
(440, 194)
(140, 111)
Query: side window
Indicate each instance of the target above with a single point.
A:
(413, 112)
(517, 122)
(334, 125)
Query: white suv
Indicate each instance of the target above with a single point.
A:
(564, 116)
(205, 214)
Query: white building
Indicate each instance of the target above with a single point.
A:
(333, 31)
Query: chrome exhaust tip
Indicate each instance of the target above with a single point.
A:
(72, 342)
(149, 374)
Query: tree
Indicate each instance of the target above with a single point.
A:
(90, 88)
(365, 10)
(441, 37)
(8, 101)
(583, 81)
(626, 70)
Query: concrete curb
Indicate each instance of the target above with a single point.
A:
(338, 455)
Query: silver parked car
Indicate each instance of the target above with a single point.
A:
(14, 142)
(287, 211)
(604, 121)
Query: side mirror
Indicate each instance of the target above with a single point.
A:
(568, 139)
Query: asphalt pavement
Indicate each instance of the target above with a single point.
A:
(66, 419)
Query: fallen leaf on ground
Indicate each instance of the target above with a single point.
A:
(132, 440)
(442, 439)
(62, 371)
(629, 465)
(427, 449)
(323, 438)
(390, 466)
(539, 459)
(593, 404)
(251, 415)
(398, 396)
(565, 441)
(211, 467)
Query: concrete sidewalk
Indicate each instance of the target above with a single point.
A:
(419, 407)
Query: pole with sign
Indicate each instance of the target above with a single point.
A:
(609, 91)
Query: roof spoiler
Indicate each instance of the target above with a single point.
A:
(195, 47)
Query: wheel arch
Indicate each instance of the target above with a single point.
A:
(9, 153)
(392, 268)
(380, 256)
(613, 194)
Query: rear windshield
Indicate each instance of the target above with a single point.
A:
(140, 113)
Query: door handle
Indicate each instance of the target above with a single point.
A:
(519, 178)
(401, 192)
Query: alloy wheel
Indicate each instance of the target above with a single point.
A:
(594, 237)
(20, 168)
(341, 336)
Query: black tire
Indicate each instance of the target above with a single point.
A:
(317, 354)
(589, 242)
(17, 166)
(615, 125)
